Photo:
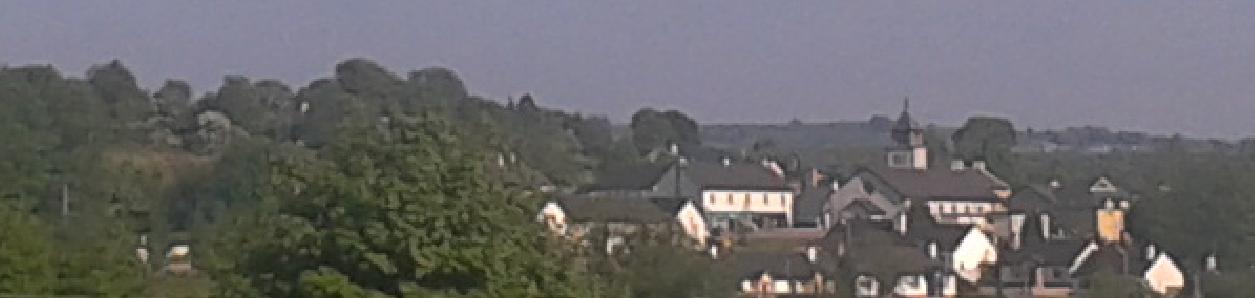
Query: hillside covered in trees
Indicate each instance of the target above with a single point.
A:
(258, 171)
(378, 184)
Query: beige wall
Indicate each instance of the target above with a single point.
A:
(1164, 276)
(693, 224)
(748, 201)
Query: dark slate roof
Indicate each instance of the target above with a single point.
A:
(1032, 199)
(810, 204)
(1077, 193)
(937, 183)
(637, 177)
(778, 264)
(863, 206)
(922, 228)
(672, 205)
(1113, 258)
(613, 209)
(874, 248)
(734, 176)
(1051, 253)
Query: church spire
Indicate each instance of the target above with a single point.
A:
(909, 150)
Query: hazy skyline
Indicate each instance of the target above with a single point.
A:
(1159, 66)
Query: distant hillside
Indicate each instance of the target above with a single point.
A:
(803, 137)
(796, 135)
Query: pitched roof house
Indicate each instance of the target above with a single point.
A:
(782, 273)
(958, 194)
(732, 194)
(575, 216)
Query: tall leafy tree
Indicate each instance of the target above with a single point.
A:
(121, 93)
(653, 129)
(26, 259)
(990, 140)
(399, 209)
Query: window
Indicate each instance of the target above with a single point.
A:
(766, 199)
(899, 159)
(729, 199)
(781, 286)
(712, 199)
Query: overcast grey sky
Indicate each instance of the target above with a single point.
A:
(1161, 66)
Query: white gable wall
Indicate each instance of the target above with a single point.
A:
(851, 191)
(554, 217)
(973, 250)
(1164, 274)
(911, 286)
(692, 222)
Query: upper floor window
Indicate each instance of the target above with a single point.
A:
(899, 159)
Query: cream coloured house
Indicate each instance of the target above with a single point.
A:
(732, 194)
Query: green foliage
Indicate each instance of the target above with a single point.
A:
(1208, 209)
(99, 260)
(1110, 285)
(117, 87)
(990, 140)
(1233, 283)
(264, 108)
(653, 129)
(26, 253)
(396, 210)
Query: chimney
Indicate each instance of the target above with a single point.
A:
(900, 224)
(1045, 226)
(978, 165)
(932, 250)
(674, 149)
(1055, 185)
(714, 252)
(774, 168)
(812, 254)
(817, 177)
(836, 185)
(1210, 263)
(1150, 252)
(726, 161)
(957, 165)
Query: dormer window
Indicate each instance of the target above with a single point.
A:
(1102, 185)
(900, 159)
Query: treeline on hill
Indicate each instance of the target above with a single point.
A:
(372, 184)
(364, 184)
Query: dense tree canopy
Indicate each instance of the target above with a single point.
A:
(400, 210)
(369, 184)
(653, 129)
